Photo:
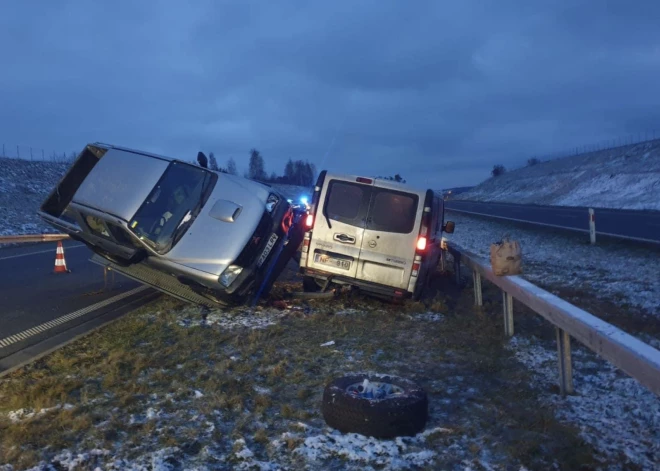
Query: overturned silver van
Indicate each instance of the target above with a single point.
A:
(377, 235)
(194, 233)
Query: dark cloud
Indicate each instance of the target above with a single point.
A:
(437, 91)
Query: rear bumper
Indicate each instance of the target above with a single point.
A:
(366, 286)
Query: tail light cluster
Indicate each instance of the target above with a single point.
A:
(311, 215)
(424, 231)
(424, 235)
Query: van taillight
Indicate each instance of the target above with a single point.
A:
(421, 244)
(368, 181)
(309, 221)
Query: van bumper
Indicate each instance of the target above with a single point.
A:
(366, 286)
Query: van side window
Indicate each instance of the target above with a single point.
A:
(343, 202)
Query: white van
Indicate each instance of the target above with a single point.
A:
(377, 235)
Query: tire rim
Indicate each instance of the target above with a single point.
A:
(374, 390)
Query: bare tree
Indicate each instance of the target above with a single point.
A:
(257, 168)
(213, 163)
(231, 166)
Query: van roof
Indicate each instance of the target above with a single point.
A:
(381, 182)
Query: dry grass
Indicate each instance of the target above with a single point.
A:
(146, 361)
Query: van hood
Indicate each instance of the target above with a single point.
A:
(211, 244)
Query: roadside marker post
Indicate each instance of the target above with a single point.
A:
(592, 226)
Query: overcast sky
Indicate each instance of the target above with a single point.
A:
(435, 90)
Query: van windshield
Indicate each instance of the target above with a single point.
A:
(172, 205)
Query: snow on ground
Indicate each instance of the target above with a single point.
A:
(627, 177)
(614, 413)
(622, 272)
(258, 318)
(24, 185)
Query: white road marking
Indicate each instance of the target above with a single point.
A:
(66, 318)
(42, 251)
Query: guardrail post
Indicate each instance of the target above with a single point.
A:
(476, 281)
(457, 267)
(592, 226)
(507, 302)
(565, 364)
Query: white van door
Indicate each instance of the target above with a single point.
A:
(390, 237)
(339, 226)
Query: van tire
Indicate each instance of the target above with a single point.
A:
(404, 415)
(310, 285)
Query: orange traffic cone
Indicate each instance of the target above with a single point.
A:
(60, 263)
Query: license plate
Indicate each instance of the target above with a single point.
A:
(332, 262)
(269, 247)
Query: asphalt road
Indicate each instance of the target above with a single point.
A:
(36, 304)
(626, 224)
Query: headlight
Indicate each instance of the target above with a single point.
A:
(271, 202)
(229, 275)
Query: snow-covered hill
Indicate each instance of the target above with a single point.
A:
(626, 177)
(24, 185)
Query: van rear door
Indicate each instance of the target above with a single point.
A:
(339, 226)
(389, 237)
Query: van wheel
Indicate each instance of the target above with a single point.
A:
(421, 286)
(311, 285)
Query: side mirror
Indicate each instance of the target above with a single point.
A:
(449, 227)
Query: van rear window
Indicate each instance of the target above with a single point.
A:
(344, 200)
(392, 211)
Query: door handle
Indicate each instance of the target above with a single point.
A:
(344, 238)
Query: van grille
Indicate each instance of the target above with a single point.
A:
(256, 243)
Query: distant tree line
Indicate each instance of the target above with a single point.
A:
(296, 172)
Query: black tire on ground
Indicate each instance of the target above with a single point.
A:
(403, 415)
(310, 285)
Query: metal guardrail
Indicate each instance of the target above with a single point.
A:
(637, 225)
(31, 238)
(636, 358)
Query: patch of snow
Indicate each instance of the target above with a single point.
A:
(230, 320)
(25, 414)
(261, 390)
(356, 448)
(428, 316)
(153, 414)
(613, 412)
(560, 259)
(327, 344)
(198, 394)
(246, 460)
